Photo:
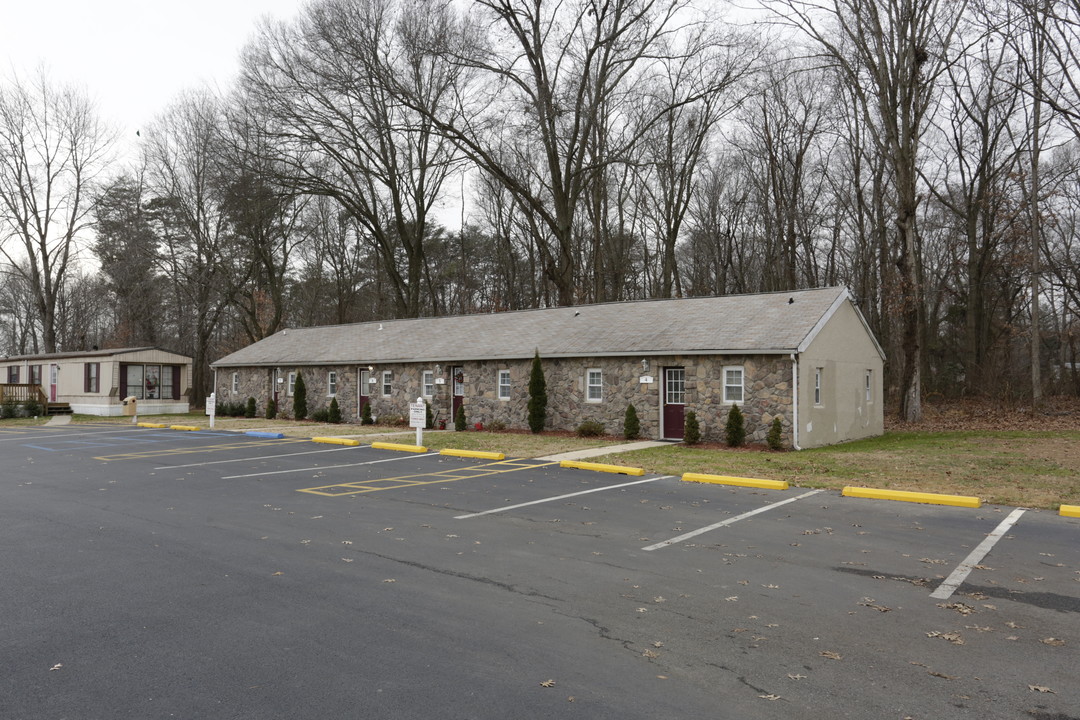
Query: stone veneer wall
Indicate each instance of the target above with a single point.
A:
(767, 392)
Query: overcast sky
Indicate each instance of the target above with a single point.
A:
(132, 57)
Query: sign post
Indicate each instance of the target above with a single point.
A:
(418, 419)
(211, 408)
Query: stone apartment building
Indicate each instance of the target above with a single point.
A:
(805, 356)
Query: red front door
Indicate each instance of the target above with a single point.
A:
(364, 392)
(674, 396)
(457, 378)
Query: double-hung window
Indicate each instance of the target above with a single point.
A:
(291, 383)
(91, 377)
(594, 381)
(817, 385)
(869, 386)
(387, 382)
(427, 383)
(504, 384)
(733, 384)
(235, 383)
(331, 383)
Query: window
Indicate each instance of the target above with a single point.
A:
(594, 380)
(35, 374)
(675, 386)
(331, 383)
(869, 386)
(504, 384)
(13, 374)
(168, 373)
(91, 375)
(817, 386)
(427, 383)
(365, 381)
(235, 383)
(387, 387)
(133, 387)
(291, 382)
(733, 384)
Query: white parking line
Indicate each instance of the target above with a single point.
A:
(326, 467)
(560, 497)
(729, 521)
(263, 457)
(959, 575)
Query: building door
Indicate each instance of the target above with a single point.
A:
(457, 375)
(53, 372)
(363, 392)
(674, 394)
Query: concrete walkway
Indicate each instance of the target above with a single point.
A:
(607, 450)
(59, 420)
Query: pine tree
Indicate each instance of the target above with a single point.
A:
(429, 416)
(537, 396)
(271, 409)
(459, 419)
(735, 431)
(299, 398)
(631, 425)
(365, 415)
(775, 438)
(333, 415)
(249, 410)
(691, 429)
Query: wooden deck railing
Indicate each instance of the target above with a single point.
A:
(21, 392)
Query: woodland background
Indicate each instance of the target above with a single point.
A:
(378, 159)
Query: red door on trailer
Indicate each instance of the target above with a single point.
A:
(674, 396)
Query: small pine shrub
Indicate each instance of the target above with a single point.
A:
(537, 396)
(333, 414)
(300, 409)
(459, 419)
(365, 415)
(321, 415)
(735, 430)
(8, 408)
(33, 408)
(691, 429)
(775, 438)
(496, 426)
(590, 428)
(429, 416)
(271, 409)
(249, 410)
(631, 425)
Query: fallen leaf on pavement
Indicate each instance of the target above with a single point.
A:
(1040, 688)
(831, 655)
(547, 683)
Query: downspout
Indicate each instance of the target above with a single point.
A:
(795, 401)
(214, 390)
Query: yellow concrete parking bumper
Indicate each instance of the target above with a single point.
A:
(399, 447)
(189, 428)
(481, 454)
(336, 441)
(915, 497)
(153, 425)
(739, 481)
(601, 467)
(1070, 511)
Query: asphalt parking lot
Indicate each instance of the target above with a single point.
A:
(161, 573)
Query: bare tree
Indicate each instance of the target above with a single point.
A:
(52, 148)
(890, 54)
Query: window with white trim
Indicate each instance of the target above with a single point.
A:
(427, 383)
(387, 384)
(817, 386)
(291, 383)
(331, 383)
(594, 385)
(235, 383)
(733, 384)
(504, 384)
(869, 386)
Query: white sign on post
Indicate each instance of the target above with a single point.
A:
(211, 408)
(418, 418)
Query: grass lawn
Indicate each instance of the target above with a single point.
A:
(1015, 467)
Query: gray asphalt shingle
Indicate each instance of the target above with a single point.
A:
(763, 323)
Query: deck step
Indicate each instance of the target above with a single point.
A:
(58, 409)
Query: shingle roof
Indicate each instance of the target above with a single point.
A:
(763, 323)
(107, 352)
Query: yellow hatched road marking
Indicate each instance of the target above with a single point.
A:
(199, 449)
(403, 481)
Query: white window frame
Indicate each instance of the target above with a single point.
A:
(235, 383)
(728, 387)
(290, 384)
(869, 386)
(387, 383)
(331, 383)
(591, 386)
(818, 372)
(504, 382)
(427, 383)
